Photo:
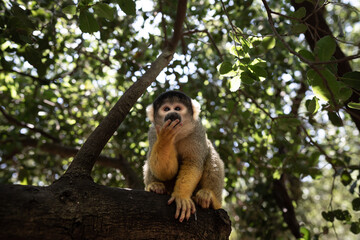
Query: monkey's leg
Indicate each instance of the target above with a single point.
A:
(212, 182)
(186, 182)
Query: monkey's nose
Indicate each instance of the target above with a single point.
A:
(172, 116)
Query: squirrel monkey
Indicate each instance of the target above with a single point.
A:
(181, 160)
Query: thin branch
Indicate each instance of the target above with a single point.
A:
(257, 105)
(209, 36)
(131, 177)
(321, 150)
(178, 26)
(29, 126)
(40, 80)
(163, 23)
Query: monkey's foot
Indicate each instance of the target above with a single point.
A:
(205, 198)
(156, 187)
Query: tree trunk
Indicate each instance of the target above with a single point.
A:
(81, 209)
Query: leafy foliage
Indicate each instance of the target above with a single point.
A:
(272, 113)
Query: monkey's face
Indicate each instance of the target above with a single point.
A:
(172, 111)
(174, 105)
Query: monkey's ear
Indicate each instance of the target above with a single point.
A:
(150, 112)
(196, 109)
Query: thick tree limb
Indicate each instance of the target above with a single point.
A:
(84, 210)
(87, 155)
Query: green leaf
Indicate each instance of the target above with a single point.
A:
(235, 83)
(328, 216)
(344, 93)
(237, 51)
(335, 119)
(277, 175)
(225, 67)
(87, 22)
(298, 28)
(354, 105)
(307, 55)
(318, 83)
(305, 233)
(127, 6)
(312, 105)
(325, 48)
(356, 204)
(247, 77)
(352, 79)
(355, 227)
(342, 215)
(300, 13)
(258, 71)
(345, 178)
(71, 9)
(268, 43)
(104, 10)
(286, 122)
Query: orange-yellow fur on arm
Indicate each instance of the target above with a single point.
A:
(163, 157)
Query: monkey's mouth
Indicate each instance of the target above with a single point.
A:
(172, 116)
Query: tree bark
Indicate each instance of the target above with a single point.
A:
(77, 208)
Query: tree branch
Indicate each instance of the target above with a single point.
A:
(131, 177)
(29, 126)
(89, 152)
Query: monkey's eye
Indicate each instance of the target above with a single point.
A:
(166, 109)
(177, 108)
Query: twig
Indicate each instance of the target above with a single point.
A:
(31, 127)
(209, 36)
(257, 105)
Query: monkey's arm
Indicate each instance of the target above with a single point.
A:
(186, 182)
(163, 157)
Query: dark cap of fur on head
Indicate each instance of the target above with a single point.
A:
(172, 96)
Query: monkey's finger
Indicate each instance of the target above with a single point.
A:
(185, 210)
(178, 208)
(173, 123)
(188, 209)
(171, 200)
(193, 208)
(208, 201)
(167, 124)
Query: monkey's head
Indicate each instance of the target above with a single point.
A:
(173, 105)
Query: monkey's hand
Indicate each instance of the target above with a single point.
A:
(184, 207)
(205, 198)
(168, 131)
(156, 187)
